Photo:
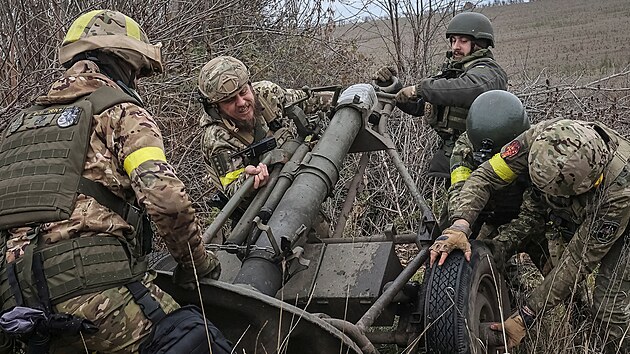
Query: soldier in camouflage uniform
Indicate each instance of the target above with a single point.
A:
(494, 119)
(579, 170)
(238, 113)
(123, 164)
(444, 99)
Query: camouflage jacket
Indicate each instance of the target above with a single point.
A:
(117, 133)
(601, 214)
(450, 93)
(503, 206)
(226, 139)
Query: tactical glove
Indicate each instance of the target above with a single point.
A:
(6, 343)
(406, 94)
(414, 108)
(455, 237)
(516, 326)
(385, 73)
(210, 269)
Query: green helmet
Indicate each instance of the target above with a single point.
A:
(471, 24)
(494, 119)
(568, 158)
(221, 78)
(115, 33)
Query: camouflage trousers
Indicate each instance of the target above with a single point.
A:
(610, 301)
(122, 325)
(611, 297)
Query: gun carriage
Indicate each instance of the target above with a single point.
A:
(285, 290)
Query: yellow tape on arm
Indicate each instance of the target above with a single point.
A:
(460, 174)
(502, 169)
(231, 177)
(142, 155)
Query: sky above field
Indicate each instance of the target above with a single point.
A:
(353, 9)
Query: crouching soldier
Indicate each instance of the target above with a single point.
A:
(238, 114)
(580, 170)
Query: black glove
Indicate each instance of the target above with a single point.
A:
(414, 107)
(406, 95)
(385, 73)
(6, 343)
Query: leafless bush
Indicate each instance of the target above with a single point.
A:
(546, 95)
(277, 39)
(279, 42)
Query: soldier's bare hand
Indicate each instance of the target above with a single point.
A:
(260, 173)
(385, 73)
(455, 237)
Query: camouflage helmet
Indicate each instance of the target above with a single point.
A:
(221, 78)
(568, 158)
(115, 33)
(471, 24)
(494, 119)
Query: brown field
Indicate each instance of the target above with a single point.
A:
(554, 37)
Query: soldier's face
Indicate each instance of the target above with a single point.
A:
(461, 46)
(241, 106)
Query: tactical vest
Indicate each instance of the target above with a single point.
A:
(450, 122)
(42, 158)
(505, 204)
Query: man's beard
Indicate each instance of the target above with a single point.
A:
(248, 125)
(462, 55)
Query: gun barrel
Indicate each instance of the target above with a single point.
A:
(244, 226)
(319, 171)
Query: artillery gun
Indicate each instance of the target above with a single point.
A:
(285, 290)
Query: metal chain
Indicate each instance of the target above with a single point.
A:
(232, 248)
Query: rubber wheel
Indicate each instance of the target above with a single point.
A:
(460, 295)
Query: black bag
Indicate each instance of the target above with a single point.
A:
(183, 331)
